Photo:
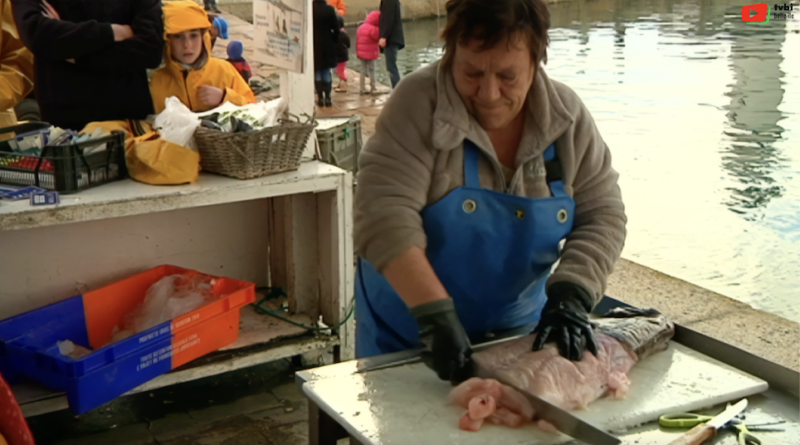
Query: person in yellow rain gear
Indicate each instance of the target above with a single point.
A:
(191, 74)
(16, 68)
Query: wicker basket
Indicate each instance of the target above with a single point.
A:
(255, 153)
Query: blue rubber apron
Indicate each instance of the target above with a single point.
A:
(492, 252)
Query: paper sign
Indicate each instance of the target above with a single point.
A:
(279, 33)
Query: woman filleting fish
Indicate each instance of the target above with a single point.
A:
(479, 167)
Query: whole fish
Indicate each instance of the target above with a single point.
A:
(624, 336)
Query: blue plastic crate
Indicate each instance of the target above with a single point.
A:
(65, 314)
(28, 347)
(28, 342)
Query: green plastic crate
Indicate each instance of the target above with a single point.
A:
(340, 141)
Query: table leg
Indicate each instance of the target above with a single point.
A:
(354, 441)
(322, 429)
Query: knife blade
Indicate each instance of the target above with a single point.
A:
(412, 356)
(563, 420)
(705, 431)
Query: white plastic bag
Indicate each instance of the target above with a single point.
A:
(273, 110)
(70, 349)
(168, 298)
(98, 133)
(177, 124)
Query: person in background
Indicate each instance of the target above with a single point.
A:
(339, 6)
(342, 56)
(392, 38)
(91, 57)
(16, 68)
(326, 36)
(219, 29)
(199, 80)
(367, 37)
(235, 57)
(211, 5)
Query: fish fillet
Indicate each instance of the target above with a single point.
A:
(623, 337)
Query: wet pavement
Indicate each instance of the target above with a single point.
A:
(344, 104)
(368, 106)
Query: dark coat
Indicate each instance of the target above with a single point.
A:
(391, 23)
(342, 53)
(326, 35)
(108, 80)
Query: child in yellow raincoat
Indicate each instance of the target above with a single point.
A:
(199, 80)
(16, 69)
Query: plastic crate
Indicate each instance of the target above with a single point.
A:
(28, 341)
(63, 168)
(340, 141)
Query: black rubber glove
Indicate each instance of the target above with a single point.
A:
(565, 321)
(448, 349)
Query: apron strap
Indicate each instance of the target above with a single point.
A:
(552, 166)
(471, 157)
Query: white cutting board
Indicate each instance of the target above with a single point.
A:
(406, 405)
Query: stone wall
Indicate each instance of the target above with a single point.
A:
(240, 8)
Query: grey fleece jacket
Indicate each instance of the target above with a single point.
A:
(416, 158)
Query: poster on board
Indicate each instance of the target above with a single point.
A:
(279, 27)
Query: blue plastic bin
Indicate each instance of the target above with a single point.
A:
(28, 346)
(28, 342)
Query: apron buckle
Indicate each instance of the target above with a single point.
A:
(562, 216)
(469, 205)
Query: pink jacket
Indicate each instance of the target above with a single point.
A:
(367, 37)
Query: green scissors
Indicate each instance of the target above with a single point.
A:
(745, 436)
(744, 432)
(683, 420)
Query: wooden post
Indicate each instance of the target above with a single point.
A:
(277, 242)
(329, 263)
(311, 256)
(294, 252)
(346, 262)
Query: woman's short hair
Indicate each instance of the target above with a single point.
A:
(494, 21)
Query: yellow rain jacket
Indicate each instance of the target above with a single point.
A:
(16, 67)
(176, 80)
(153, 160)
(150, 158)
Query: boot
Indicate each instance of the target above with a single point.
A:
(327, 86)
(342, 87)
(320, 93)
